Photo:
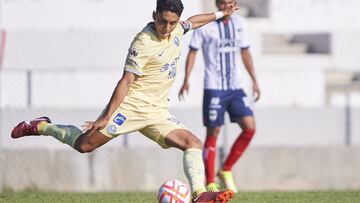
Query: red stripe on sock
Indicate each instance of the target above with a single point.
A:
(209, 158)
(238, 148)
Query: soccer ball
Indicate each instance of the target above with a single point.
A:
(174, 191)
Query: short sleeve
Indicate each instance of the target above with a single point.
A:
(245, 41)
(186, 26)
(137, 57)
(196, 40)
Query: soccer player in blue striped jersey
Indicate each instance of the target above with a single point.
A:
(224, 43)
(140, 99)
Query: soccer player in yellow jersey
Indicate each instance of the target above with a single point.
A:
(140, 99)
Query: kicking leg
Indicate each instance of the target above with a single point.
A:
(27, 128)
(89, 142)
(68, 134)
(194, 167)
(193, 162)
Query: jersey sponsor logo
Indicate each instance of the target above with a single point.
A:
(213, 115)
(228, 49)
(164, 67)
(215, 103)
(176, 41)
(133, 52)
(111, 129)
(172, 73)
(227, 45)
(119, 119)
(171, 67)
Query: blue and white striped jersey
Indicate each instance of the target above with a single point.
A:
(221, 44)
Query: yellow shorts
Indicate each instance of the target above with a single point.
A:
(154, 124)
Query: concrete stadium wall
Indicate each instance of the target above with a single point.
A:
(262, 168)
(294, 149)
(295, 127)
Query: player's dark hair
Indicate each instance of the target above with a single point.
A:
(174, 6)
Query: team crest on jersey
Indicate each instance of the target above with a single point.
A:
(119, 119)
(111, 129)
(176, 41)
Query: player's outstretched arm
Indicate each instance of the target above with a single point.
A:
(190, 60)
(203, 19)
(249, 65)
(117, 97)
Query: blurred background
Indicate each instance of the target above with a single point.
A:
(63, 58)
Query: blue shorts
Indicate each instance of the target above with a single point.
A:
(216, 102)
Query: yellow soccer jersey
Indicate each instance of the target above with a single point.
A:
(155, 62)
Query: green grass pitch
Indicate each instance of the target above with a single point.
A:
(137, 197)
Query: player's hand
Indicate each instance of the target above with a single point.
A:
(93, 126)
(184, 89)
(256, 92)
(230, 9)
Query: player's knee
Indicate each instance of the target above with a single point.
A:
(213, 131)
(85, 148)
(193, 142)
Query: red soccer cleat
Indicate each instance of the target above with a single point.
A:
(26, 128)
(214, 197)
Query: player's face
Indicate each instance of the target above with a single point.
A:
(222, 4)
(165, 23)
